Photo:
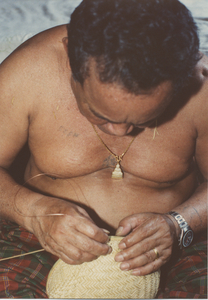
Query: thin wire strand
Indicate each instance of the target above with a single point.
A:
(48, 215)
(20, 255)
(155, 130)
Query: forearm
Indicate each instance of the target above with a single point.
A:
(16, 201)
(62, 228)
(194, 210)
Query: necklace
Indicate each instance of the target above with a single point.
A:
(117, 173)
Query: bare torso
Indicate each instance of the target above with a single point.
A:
(73, 164)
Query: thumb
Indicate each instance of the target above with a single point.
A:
(130, 223)
(124, 229)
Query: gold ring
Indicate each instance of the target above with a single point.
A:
(156, 253)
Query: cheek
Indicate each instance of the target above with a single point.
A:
(163, 107)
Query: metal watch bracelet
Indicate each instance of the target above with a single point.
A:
(186, 234)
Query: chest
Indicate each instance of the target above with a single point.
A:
(63, 142)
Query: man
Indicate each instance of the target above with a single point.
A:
(114, 109)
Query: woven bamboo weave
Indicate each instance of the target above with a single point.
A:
(101, 278)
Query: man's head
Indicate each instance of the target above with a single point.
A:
(116, 111)
(137, 44)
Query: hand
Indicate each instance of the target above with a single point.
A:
(146, 231)
(67, 231)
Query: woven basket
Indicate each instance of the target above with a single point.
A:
(100, 278)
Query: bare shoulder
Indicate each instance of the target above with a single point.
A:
(199, 100)
(39, 53)
(44, 41)
(32, 66)
(198, 87)
(200, 108)
(27, 77)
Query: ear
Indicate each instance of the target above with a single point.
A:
(65, 43)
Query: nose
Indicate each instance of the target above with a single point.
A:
(118, 129)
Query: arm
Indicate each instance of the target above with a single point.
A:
(62, 228)
(161, 231)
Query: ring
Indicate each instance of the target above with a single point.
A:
(156, 253)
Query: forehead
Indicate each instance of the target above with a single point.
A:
(112, 102)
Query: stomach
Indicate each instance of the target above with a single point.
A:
(107, 200)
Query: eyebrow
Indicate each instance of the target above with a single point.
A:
(106, 119)
(101, 117)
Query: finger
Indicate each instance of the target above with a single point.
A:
(68, 253)
(136, 250)
(153, 242)
(146, 261)
(76, 256)
(84, 224)
(127, 225)
(131, 222)
(62, 238)
(147, 269)
(149, 228)
(124, 230)
(140, 261)
(143, 265)
(63, 241)
(91, 230)
(84, 243)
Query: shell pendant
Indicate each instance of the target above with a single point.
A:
(117, 173)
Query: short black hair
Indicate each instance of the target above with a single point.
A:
(135, 43)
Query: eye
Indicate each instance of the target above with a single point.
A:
(96, 120)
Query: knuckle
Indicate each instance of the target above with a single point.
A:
(148, 255)
(92, 230)
(89, 248)
(97, 233)
(146, 247)
(154, 266)
(130, 240)
(86, 245)
(77, 255)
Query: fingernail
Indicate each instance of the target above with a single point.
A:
(110, 250)
(124, 266)
(106, 231)
(119, 230)
(135, 272)
(122, 245)
(119, 257)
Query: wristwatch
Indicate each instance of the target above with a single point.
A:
(186, 234)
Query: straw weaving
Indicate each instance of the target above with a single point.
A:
(101, 278)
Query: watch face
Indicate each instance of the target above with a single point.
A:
(187, 238)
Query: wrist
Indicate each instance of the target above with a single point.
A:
(25, 207)
(186, 233)
(174, 227)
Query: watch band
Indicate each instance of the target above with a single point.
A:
(186, 234)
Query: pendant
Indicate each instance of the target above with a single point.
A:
(117, 173)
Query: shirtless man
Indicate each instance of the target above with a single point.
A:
(142, 89)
